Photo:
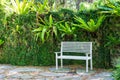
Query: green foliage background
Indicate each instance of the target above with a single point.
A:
(31, 36)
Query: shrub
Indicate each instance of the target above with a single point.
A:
(116, 74)
(25, 46)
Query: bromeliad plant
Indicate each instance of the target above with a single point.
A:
(112, 43)
(18, 7)
(46, 29)
(67, 29)
(90, 25)
(41, 8)
(111, 7)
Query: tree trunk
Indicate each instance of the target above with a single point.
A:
(77, 4)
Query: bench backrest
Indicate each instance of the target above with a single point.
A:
(79, 47)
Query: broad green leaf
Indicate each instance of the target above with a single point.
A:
(1, 42)
(55, 30)
(42, 21)
(100, 20)
(81, 21)
(43, 34)
(46, 29)
(50, 20)
(90, 25)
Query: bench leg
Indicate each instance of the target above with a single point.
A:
(87, 65)
(56, 62)
(61, 63)
(91, 66)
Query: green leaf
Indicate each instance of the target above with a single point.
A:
(81, 21)
(100, 20)
(55, 30)
(90, 25)
(46, 29)
(1, 42)
(50, 21)
(43, 34)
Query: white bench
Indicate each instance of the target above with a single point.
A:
(75, 47)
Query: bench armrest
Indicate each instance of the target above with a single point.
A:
(57, 52)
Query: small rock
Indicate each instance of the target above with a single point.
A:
(50, 74)
(83, 72)
(2, 71)
(60, 70)
(24, 69)
(68, 78)
(22, 76)
(4, 67)
(2, 76)
(102, 76)
(105, 74)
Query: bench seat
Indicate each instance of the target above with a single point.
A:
(74, 57)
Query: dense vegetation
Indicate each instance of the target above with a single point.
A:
(31, 31)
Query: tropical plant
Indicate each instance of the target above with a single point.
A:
(90, 25)
(111, 7)
(66, 29)
(18, 7)
(112, 41)
(98, 3)
(41, 8)
(46, 29)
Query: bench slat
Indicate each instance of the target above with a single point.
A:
(74, 57)
(83, 47)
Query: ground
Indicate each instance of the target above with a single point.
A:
(10, 72)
